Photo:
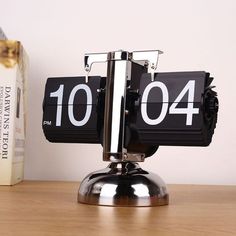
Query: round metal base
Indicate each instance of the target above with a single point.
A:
(123, 184)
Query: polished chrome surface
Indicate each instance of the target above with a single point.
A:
(90, 58)
(123, 184)
(134, 157)
(149, 58)
(114, 117)
(145, 58)
(119, 55)
(118, 73)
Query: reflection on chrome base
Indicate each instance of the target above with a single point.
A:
(123, 184)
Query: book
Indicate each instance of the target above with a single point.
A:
(13, 83)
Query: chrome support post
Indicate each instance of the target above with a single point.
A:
(123, 182)
(118, 72)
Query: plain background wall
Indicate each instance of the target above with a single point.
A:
(195, 35)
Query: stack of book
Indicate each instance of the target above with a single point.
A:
(13, 67)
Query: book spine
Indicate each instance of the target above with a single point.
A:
(7, 126)
(12, 111)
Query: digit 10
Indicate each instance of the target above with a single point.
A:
(59, 95)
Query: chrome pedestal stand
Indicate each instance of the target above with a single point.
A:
(123, 182)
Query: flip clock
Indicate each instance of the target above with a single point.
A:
(130, 112)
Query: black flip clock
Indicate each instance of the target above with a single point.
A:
(131, 112)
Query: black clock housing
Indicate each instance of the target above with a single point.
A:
(176, 108)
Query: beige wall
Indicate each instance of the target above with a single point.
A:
(195, 35)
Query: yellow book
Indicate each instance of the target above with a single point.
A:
(13, 67)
